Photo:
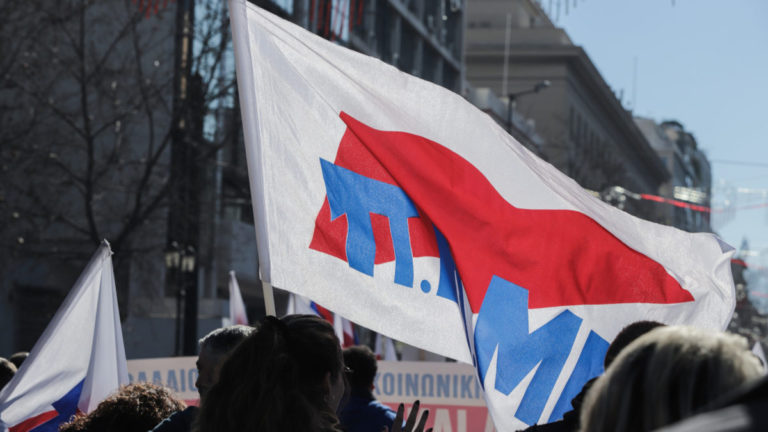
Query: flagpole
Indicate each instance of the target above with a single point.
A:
(269, 298)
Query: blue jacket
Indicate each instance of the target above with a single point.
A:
(363, 413)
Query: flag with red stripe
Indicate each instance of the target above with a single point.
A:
(397, 204)
(77, 362)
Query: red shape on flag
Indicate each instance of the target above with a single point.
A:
(323, 312)
(330, 235)
(562, 257)
(34, 422)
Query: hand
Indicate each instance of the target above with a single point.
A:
(397, 426)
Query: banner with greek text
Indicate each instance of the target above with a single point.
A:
(450, 391)
(177, 373)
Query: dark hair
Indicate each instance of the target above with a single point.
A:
(362, 362)
(274, 381)
(626, 336)
(134, 408)
(7, 371)
(18, 358)
(225, 339)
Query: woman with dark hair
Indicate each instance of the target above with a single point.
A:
(287, 376)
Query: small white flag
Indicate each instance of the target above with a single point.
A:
(237, 313)
(77, 362)
(385, 348)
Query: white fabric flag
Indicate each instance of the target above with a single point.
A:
(237, 314)
(397, 204)
(300, 305)
(344, 331)
(385, 348)
(78, 361)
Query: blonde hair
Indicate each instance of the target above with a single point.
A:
(667, 375)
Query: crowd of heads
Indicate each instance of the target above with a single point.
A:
(287, 376)
(290, 374)
(657, 375)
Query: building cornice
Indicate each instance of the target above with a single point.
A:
(585, 72)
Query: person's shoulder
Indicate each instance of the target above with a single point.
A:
(180, 421)
(382, 409)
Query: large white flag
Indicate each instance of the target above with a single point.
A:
(399, 205)
(237, 314)
(77, 362)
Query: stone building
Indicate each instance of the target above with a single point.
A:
(513, 47)
(690, 178)
(202, 216)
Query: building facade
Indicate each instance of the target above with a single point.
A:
(185, 221)
(513, 47)
(690, 179)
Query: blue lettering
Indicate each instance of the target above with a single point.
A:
(142, 377)
(157, 378)
(427, 385)
(399, 384)
(444, 385)
(130, 378)
(171, 381)
(192, 379)
(503, 323)
(412, 385)
(466, 386)
(455, 385)
(446, 287)
(590, 365)
(376, 384)
(358, 196)
(182, 380)
(389, 384)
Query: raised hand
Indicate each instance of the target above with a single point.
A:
(397, 426)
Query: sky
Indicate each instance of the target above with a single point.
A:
(703, 63)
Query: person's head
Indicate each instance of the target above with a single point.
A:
(626, 336)
(286, 376)
(362, 364)
(134, 408)
(18, 358)
(214, 348)
(7, 371)
(667, 375)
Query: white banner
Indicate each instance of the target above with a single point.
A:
(177, 373)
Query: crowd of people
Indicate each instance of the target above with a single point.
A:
(290, 374)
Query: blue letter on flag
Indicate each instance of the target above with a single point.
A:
(503, 323)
